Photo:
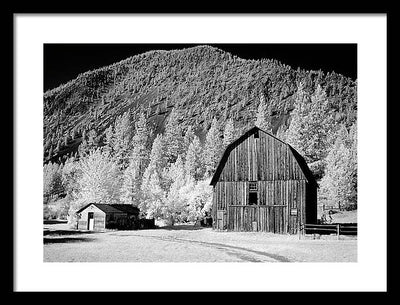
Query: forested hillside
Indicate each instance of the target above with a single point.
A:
(155, 119)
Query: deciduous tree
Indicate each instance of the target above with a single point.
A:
(52, 183)
(99, 181)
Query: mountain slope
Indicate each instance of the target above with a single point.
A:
(200, 83)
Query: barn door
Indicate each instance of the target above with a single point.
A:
(90, 221)
(221, 220)
(273, 218)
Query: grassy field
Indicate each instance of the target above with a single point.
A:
(341, 216)
(186, 243)
(345, 217)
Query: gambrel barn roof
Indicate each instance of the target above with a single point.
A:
(299, 159)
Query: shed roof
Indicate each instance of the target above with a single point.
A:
(113, 208)
(300, 160)
(128, 208)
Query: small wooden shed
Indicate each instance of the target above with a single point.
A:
(97, 216)
(262, 184)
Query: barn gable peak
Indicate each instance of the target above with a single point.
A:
(255, 130)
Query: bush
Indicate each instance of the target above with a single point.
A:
(350, 207)
(49, 212)
(57, 209)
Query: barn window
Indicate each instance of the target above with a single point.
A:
(253, 186)
(252, 198)
(252, 193)
(256, 134)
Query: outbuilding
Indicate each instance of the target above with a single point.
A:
(97, 216)
(263, 184)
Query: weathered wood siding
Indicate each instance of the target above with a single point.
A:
(275, 202)
(99, 218)
(264, 158)
(282, 188)
(116, 220)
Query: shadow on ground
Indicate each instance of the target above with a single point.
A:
(182, 227)
(63, 240)
(53, 221)
(65, 232)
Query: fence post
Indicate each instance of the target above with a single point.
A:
(338, 230)
(300, 227)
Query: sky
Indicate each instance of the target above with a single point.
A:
(64, 62)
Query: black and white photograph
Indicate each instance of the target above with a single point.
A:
(196, 154)
(200, 153)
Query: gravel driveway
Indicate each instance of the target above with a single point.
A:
(190, 244)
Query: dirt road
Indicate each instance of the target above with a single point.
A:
(190, 244)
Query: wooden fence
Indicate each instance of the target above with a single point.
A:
(328, 229)
(325, 207)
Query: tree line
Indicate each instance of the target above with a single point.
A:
(167, 174)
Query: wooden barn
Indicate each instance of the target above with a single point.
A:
(263, 184)
(97, 217)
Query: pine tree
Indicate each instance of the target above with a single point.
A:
(73, 133)
(173, 137)
(157, 162)
(46, 146)
(263, 118)
(131, 186)
(353, 164)
(84, 136)
(118, 139)
(339, 185)
(193, 160)
(153, 193)
(188, 139)
(50, 151)
(175, 200)
(131, 192)
(89, 143)
(310, 125)
(92, 137)
(153, 199)
(58, 147)
(229, 132)
(108, 140)
(140, 143)
(212, 148)
(122, 139)
(176, 171)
